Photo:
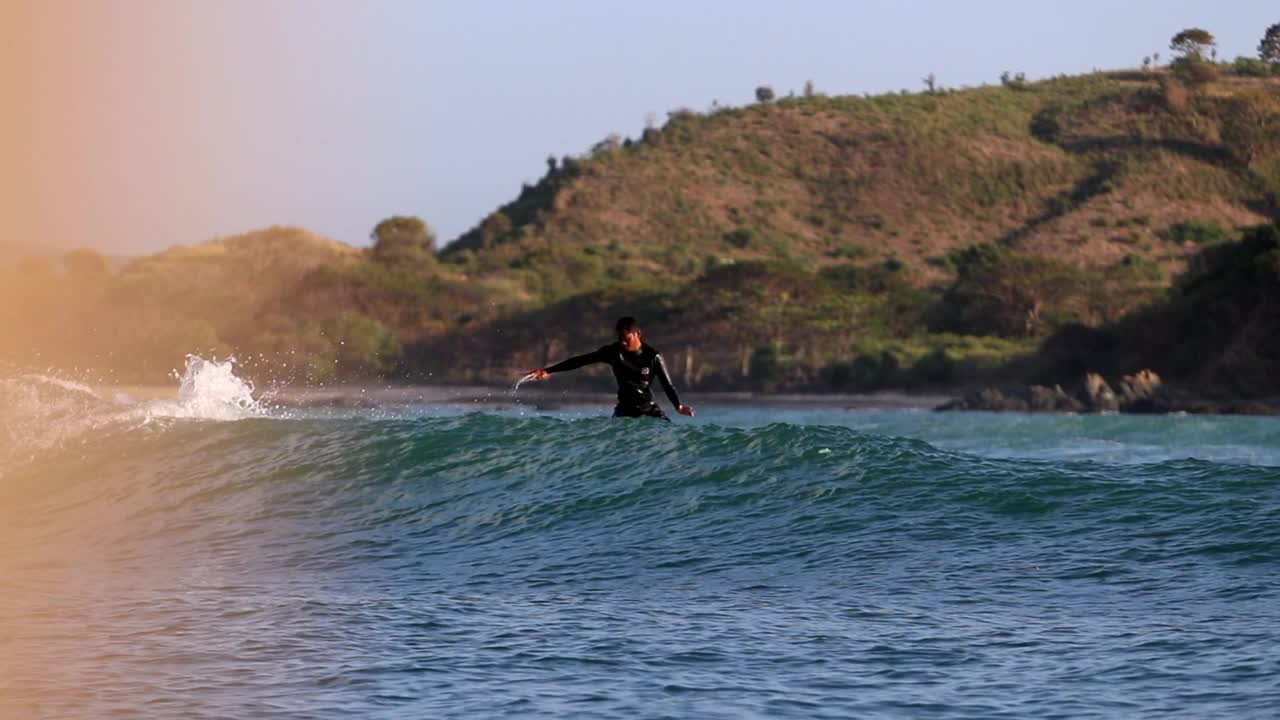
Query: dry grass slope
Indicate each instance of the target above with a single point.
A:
(1089, 169)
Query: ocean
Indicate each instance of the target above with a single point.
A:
(214, 556)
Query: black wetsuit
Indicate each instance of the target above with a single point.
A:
(634, 371)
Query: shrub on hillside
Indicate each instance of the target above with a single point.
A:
(875, 220)
(1139, 269)
(402, 239)
(1196, 232)
(365, 348)
(561, 272)
(291, 353)
(743, 238)
(1174, 96)
(1194, 70)
(849, 251)
(1000, 293)
(611, 143)
(1250, 125)
(867, 372)
(1045, 126)
(1013, 81)
(977, 259)
(494, 228)
(1251, 67)
(932, 368)
(1232, 268)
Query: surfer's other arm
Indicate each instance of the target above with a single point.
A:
(660, 369)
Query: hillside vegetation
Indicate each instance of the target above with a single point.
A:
(811, 243)
(1218, 329)
(1088, 169)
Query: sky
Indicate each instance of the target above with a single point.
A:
(133, 125)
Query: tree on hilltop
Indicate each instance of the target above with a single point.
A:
(1269, 48)
(1192, 43)
(1192, 68)
(402, 237)
(764, 93)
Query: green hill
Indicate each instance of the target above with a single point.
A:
(1087, 169)
(812, 243)
(855, 242)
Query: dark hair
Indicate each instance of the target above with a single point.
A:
(625, 325)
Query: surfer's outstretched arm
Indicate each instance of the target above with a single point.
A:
(572, 363)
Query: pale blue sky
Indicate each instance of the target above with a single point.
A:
(332, 114)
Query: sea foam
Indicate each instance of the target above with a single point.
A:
(208, 390)
(41, 412)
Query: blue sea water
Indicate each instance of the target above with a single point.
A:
(180, 560)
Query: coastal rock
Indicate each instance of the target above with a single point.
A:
(986, 399)
(1139, 386)
(1041, 398)
(1165, 399)
(993, 399)
(1033, 398)
(1254, 407)
(1054, 399)
(1143, 392)
(1098, 395)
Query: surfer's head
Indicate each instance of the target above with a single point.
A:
(628, 333)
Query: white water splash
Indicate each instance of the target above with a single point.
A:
(70, 386)
(523, 380)
(40, 413)
(209, 390)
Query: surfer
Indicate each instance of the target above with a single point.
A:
(634, 365)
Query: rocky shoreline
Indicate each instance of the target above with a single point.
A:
(1143, 392)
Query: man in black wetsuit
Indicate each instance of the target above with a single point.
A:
(634, 365)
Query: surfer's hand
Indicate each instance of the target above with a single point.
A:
(539, 374)
(685, 410)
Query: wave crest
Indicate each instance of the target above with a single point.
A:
(40, 413)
